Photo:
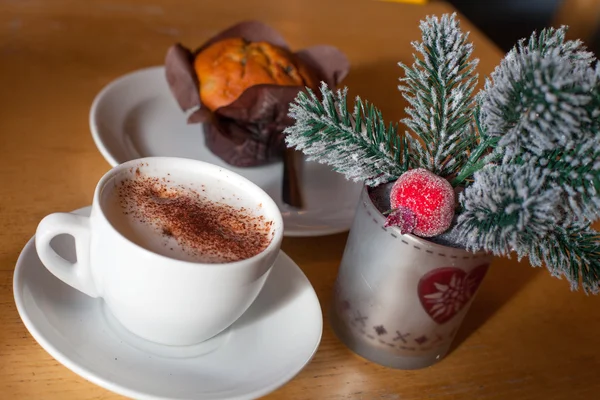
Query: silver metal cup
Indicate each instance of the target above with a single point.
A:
(399, 299)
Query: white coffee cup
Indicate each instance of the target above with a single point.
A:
(159, 298)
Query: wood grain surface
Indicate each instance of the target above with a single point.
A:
(527, 336)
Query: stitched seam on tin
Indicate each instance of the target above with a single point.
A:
(406, 341)
(473, 257)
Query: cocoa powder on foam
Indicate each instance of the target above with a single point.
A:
(203, 228)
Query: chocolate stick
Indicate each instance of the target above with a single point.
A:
(290, 189)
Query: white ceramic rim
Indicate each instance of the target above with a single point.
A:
(212, 170)
(96, 104)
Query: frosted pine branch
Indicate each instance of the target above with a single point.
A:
(577, 174)
(572, 252)
(526, 149)
(542, 103)
(358, 145)
(439, 88)
(538, 99)
(516, 208)
(552, 40)
(506, 205)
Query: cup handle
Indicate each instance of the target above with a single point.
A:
(78, 274)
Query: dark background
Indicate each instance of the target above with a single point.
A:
(506, 21)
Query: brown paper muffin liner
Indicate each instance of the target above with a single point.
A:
(249, 131)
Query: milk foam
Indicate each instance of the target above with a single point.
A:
(170, 229)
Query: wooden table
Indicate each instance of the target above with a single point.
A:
(527, 336)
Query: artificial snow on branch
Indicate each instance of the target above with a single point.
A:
(358, 145)
(439, 89)
(512, 208)
(572, 252)
(577, 174)
(507, 205)
(537, 99)
(525, 150)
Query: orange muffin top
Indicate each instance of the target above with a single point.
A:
(228, 67)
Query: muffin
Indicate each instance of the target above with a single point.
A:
(228, 67)
(239, 85)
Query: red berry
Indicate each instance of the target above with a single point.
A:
(430, 197)
(403, 218)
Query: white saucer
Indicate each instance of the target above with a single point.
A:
(136, 116)
(262, 351)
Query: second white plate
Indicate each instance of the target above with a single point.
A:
(136, 116)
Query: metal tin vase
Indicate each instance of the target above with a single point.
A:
(400, 299)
